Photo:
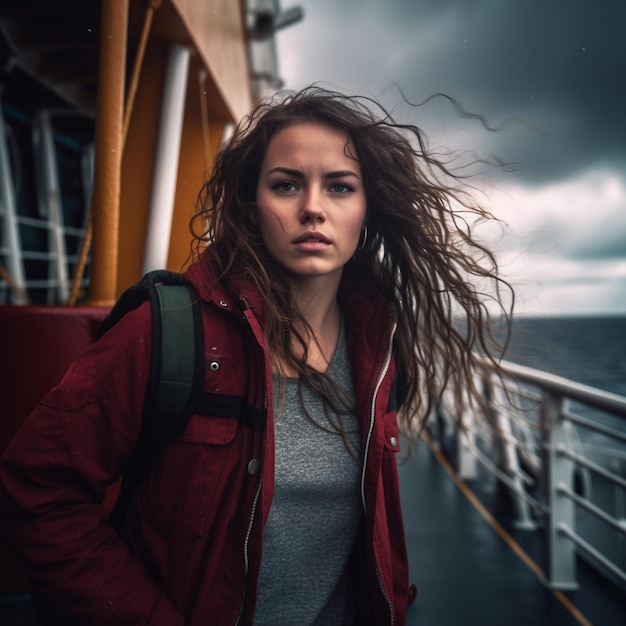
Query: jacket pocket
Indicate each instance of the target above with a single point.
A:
(177, 494)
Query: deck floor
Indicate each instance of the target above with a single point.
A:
(466, 574)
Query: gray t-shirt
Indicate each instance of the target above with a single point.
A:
(316, 510)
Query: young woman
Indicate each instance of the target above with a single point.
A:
(331, 265)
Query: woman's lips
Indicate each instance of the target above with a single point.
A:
(311, 241)
(312, 237)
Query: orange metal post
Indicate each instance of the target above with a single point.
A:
(108, 152)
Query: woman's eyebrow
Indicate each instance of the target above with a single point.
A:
(341, 174)
(298, 174)
(288, 171)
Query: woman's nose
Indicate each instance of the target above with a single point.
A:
(312, 208)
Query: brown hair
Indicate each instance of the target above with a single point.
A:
(420, 251)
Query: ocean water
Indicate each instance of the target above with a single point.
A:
(589, 350)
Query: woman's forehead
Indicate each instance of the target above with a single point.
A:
(309, 140)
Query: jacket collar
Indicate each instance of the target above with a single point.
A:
(368, 314)
(232, 296)
(370, 319)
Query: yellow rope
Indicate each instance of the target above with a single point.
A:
(20, 292)
(141, 50)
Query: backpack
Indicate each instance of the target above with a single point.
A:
(176, 373)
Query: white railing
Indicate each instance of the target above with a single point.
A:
(559, 448)
(41, 262)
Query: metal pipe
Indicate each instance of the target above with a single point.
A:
(586, 547)
(51, 192)
(11, 236)
(288, 17)
(590, 465)
(108, 152)
(152, 6)
(589, 425)
(576, 391)
(165, 172)
(593, 509)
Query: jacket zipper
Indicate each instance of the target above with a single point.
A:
(379, 382)
(246, 558)
(245, 553)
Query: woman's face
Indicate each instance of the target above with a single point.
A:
(311, 201)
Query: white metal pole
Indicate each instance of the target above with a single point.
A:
(51, 191)
(558, 470)
(11, 236)
(166, 160)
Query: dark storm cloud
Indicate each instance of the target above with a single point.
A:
(550, 73)
(557, 65)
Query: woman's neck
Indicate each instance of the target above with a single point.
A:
(317, 303)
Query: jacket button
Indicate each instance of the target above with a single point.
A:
(223, 303)
(393, 441)
(214, 366)
(254, 466)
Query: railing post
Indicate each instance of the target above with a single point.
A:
(10, 231)
(500, 408)
(523, 516)
(52, 206)
(466, 442)
(510, 459)
(560, 553)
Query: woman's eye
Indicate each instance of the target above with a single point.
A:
(341, 188)
(284, 187)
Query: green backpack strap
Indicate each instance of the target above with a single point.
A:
(178, 357)
(176, 374)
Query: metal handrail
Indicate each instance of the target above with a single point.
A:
(560, 454)
(588, 549)
(597, 398)
(594, 467)
(592, 508)
(581, 421)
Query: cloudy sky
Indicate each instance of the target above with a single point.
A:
(550, 74)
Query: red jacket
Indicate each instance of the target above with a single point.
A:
(193, 550)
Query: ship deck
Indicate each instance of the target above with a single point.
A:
(471, 566)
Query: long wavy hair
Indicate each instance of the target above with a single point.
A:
(420, 251)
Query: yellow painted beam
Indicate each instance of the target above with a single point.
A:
(108, 152)
(217, 30)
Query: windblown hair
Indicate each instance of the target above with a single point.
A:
(420, 251)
